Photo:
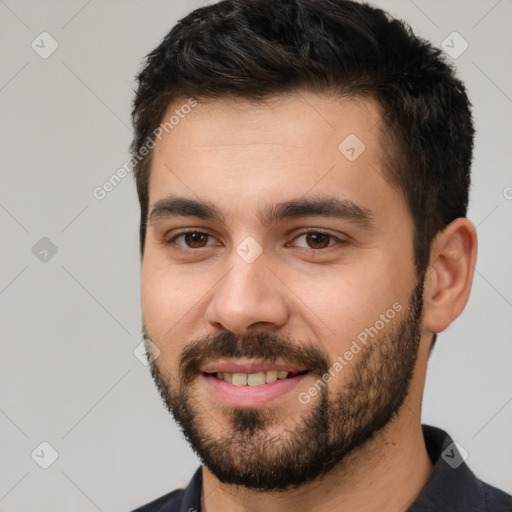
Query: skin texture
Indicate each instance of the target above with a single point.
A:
(242, 158)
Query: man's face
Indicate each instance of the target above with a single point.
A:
(274, 245)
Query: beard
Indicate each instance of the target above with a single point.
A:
(254, 448)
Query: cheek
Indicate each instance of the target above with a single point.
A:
(348, 301)
(160, 293)
(170, 301)
(153, 298)
(161, 313)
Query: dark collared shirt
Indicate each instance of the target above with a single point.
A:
(452, 486)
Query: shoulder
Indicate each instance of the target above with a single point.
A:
(452, 485)
(170, 502)
(496, 500)
(187, 499)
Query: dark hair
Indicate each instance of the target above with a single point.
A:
(257, 49)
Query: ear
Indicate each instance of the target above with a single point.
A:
(450, 274)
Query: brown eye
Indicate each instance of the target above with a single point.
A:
(192, 240)
(195, 240)
(318, 240)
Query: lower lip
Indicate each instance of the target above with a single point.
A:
(251, 396)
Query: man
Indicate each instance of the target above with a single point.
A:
(303, 170)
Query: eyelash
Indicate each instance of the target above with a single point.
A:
(310, 250)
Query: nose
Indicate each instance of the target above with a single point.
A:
(248, 298)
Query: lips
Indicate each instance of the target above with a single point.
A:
(251, 372)
(246, 396)
(249, 366)
(245, 383)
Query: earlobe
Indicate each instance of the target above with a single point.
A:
(450, 274)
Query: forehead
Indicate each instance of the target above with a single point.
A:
(236, 153)
(305, 115)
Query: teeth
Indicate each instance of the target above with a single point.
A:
(256, 379)
(239, 379)
(271, 376)
(252, 379)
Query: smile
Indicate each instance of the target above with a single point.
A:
(256, 379)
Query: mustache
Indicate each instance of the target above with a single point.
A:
(267, 346)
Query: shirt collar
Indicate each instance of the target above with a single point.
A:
(191, 501)
(452, 485)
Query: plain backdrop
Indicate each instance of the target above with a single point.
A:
(69, 276)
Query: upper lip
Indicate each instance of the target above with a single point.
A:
(249, 366)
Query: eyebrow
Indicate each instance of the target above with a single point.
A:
(331, 207)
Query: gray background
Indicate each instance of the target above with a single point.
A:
(70, 323)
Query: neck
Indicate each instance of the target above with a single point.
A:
(387, 473)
